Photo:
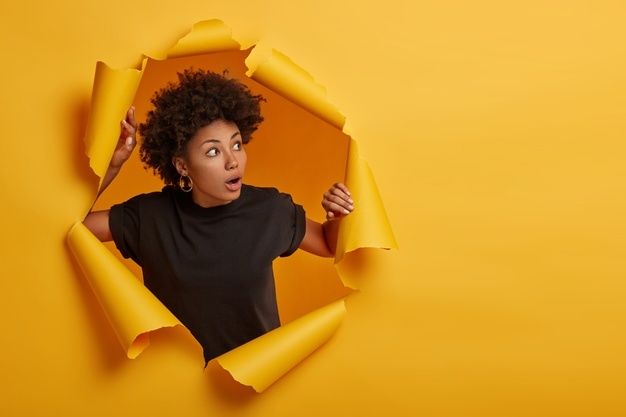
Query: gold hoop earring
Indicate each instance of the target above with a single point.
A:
(185, 183)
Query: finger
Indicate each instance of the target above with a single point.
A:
(339, 201)
(336, 208)
(330, 215)
(128, 126)
(130, 117)
(130, 143)
(343, 188)
(122, 154)
(128, 129)
(126, 147)
(123, 134)
(341, 194)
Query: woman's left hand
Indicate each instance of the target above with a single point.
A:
(337, 202)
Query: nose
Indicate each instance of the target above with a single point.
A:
(231, 162)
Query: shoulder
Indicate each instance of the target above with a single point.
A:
(167, 193)
(267, 194)
(280, 204)
(149, 200)
(260, 192)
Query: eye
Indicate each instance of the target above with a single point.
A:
(212, 152)
(237, 146)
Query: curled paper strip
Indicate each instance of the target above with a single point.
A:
(133, 311)
(367, 226)
(280, 74)
(116, 89)
(263, 360)
(131, 308)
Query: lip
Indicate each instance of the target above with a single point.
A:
(233, 186)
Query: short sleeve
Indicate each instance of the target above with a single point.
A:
(124, 225)
(295, 223)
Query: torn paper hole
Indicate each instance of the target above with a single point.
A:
(276, 143)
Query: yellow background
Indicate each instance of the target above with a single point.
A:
(496, 134)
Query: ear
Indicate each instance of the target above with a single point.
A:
(180, 165)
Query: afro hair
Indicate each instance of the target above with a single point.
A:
(180, 109)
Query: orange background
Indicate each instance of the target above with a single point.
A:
(292, 150)
(496, 134)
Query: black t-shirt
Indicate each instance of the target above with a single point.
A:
(212, 267)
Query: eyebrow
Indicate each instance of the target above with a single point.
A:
(217, 141)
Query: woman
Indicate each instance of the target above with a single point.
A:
(206, 242)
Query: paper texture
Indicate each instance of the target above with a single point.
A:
(131, 308)
(133, 311)
(367, 226)
(265, 359)
(206, 36)
(113, 92)
(280, 74)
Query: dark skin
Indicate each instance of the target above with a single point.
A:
(214, 154)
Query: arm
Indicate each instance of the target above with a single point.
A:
(98, 221)
(321, 239)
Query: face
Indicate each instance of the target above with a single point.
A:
(215, 160)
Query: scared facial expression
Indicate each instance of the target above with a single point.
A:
(215, 160)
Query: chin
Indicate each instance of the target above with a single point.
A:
(232, 195)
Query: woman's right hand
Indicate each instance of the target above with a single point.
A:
(125, 145)
(127, 140)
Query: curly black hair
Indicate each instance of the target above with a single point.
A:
(199, 98)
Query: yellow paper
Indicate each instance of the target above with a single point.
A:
(262, 361)
(367, 226)
(112, 95)
(280, 74)
(132, 309)
(206, 36)
(130, 306)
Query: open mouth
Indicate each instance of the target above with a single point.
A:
(234, 184)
